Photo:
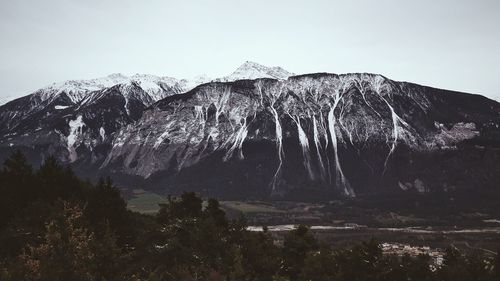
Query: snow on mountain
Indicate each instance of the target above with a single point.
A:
(252, 70)
(77, 90)
(189, 84)
(157, 87)
(348, 134)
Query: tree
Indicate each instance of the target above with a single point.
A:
(215, 213)
(69, 251)
(320, 266)
(187, 206)
(261, 258)
(296, 245)
(16, 186)
(55, 181)
(362, 262)
(106, 208)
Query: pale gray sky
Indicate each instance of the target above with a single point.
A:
(452, 44)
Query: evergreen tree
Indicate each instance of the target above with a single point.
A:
(106, 208)
(16, 186)
(320, 266)
(296, 245)
(55, 181)
(69, 251)
(362, 262)
(261, 258)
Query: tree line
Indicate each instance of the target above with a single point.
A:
(55, 226)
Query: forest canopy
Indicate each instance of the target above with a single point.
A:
(55, 226)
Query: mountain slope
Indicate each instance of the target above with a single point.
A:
(316, 135)
(342, 133)
(102, 106)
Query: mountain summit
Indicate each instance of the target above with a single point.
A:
(253, 70)
(76, 90)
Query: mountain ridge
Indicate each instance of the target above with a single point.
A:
(345, 134)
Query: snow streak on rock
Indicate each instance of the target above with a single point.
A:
(317, 143)
(238, 141)
(272, 97)
(102, 133)
(341, 180)
(342, 115)
(398, 124)
(75, 130)
(304, 143)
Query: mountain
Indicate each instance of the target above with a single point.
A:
(54, 114)
(49, 115)
(309, 136)
(248, 70)
(252, 70)
(345, 134)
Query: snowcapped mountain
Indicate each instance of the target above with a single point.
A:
(77, 90)
(248, 70)
(156, 87)
(265, 133)
(108, 103)
(252, 70)
(103, 105)
(347, 134)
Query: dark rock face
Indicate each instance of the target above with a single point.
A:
(318, 135)
(74, 127)
(346, 134)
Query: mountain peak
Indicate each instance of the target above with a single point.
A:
(248, 64)
(117, 76)
(253, 70)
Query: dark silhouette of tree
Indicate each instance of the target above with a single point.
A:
(16, 186)
(106, 208)
(296, 245)
(55, 181)
(214, 212)
(362, 262)
(53, 226)
(187, 207)
(69, 251)
(320, 266)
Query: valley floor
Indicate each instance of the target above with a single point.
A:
(476, 232)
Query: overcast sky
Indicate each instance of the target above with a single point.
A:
(452, 44)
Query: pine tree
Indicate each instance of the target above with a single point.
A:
(69, 251)
(16, 186)
(297, 244)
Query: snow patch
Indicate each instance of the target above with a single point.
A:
(61, 107)
(102, 133)
(75, 130)
(252, 70)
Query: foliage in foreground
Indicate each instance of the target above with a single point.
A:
(54, 226)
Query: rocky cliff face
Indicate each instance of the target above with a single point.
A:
(338, 132)
(323, 134)
(60, 118)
